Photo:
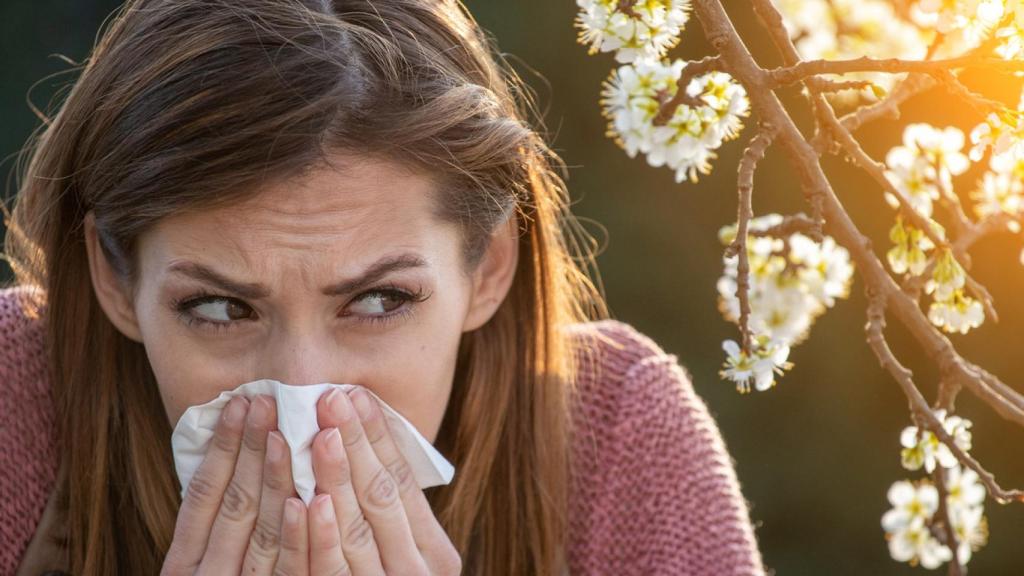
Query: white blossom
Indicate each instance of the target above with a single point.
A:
(923, 448)
(963, 490)
(766, 359)
(1004, 133)
(1011, 36)
(913, 177)
(1001, 189)
(952, 309)
(960, 313)
(906, 524)
(977, 17)
(792, 281)
(971, 529)
(910, 251)
(912, 521)
(925, 164)
(633, 30)
(633, 96)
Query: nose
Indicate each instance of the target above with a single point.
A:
(301, 358)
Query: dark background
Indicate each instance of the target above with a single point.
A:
(816, 454)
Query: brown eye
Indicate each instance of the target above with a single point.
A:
(379, 302)
(221, 310)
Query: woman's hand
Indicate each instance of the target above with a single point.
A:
(238, 513)
(363, 481)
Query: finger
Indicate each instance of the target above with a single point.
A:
(204, 492)
(331, 468)
(294, 556)
(278, 486)
(240, 505)
(433, 542)
(376, 490)
(325, 553)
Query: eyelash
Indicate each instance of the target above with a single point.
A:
(183, 306)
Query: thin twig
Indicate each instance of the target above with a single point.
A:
(945, 400)
(980, 103)
(744, 212)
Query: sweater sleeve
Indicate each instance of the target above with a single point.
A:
(670, 459)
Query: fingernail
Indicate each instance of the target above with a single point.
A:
(323, 508)
(339, 405)
(235, 414)
(334, 447)
(275, 447)
(362, 402)
(259, 412)
(292, 511)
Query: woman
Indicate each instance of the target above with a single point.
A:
(319, 191)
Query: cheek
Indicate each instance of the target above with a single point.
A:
(185, 376)
(417, 380)
(182, 381)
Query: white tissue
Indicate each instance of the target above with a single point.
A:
(296, 420)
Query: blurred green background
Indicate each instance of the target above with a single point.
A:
(816, 454)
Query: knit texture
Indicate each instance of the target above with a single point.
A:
(653, 488)
(28, 435)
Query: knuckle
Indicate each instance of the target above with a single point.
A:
(292, 545)
(403, 476)
(276, 480)
(339, 477)
(265, 539)
(238, 502)
(358, 534)
(354, 437)
(375, 433)
(225, 441)
(254, 439)
(382, 491)
(202, 490)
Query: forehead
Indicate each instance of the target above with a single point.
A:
(359, 206)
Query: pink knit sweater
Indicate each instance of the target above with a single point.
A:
(653, 487)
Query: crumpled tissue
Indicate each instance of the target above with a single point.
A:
(296, 420)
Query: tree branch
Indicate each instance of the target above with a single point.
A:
(800, 71)
(918, 404)
(804, 160)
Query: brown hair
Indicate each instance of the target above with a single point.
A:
(190, 103)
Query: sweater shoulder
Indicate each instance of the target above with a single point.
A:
(28, 453)
(609, 354)
(22, 345)
(609, 348)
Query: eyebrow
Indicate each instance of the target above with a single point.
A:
(256, 291)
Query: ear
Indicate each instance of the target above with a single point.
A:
(112, 295)
(493, 276)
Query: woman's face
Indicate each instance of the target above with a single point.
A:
(338, 276)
